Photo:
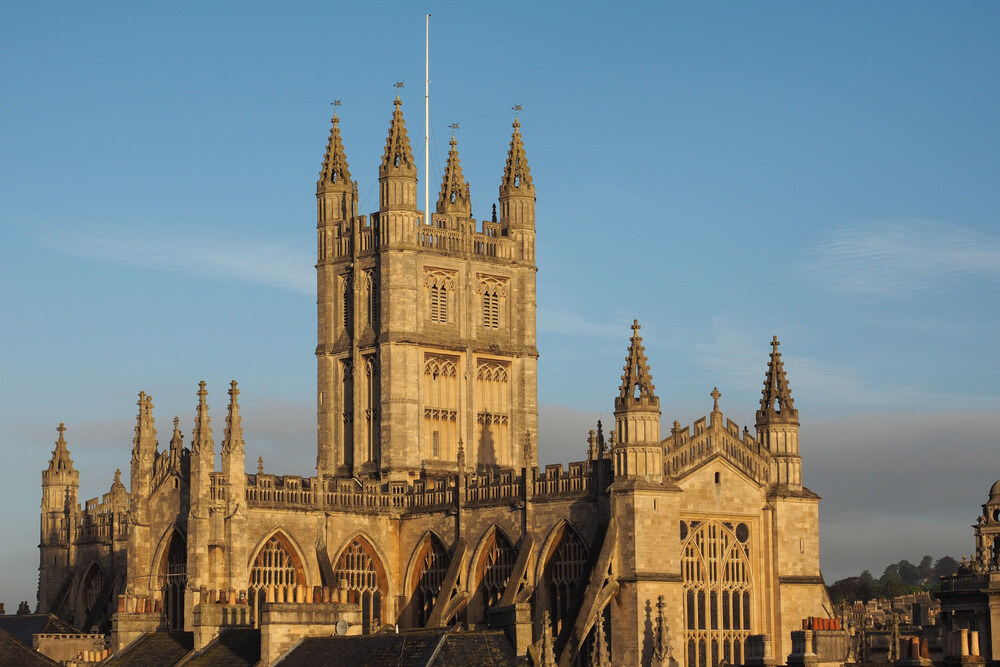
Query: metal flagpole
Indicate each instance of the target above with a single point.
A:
(427, 120)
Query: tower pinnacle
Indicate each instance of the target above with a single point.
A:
(637, 383)
(335, 174)
(516, 174)
(454, 197)
(776, 403)
(233, 438)
(60, 455)
(201, 440)
(397, 160)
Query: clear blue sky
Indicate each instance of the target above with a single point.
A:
(722, 171)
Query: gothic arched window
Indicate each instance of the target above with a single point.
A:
(563, 577)
(276, 565)
(366, 582)
(718, 590)
(432, 566)
(441, 402)
(173, 581)
(495, 568)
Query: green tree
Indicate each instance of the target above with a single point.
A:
(908, 573)
(945, 567)
(926, 567)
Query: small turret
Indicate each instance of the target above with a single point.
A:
(778, 424)
(336, 193)
(517, 197)
(397, 175)
(454, 198)
(637, 417)
(60, 488)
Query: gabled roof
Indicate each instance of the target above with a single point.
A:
(154, 649)
(14, 652)
(24, 626)
(234, 647)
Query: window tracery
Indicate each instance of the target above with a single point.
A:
(492, 291)
(365, 577)
(275, 565)
(495, 569)
(564, 574)
(441, 404)
(493, 412)
(439, 285)
(433, 566)
(173, 581)
(718, 588)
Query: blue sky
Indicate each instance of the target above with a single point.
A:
(724, 172)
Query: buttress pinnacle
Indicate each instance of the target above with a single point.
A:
(454, 197)
(334, 173)
(397, 158)
(233, 438)
(201, 440)
(776, 403)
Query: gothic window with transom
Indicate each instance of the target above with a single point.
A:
(365, 577)
(433, 565)
(563, 577)
(439, 285)
(492, 291)
(173, 581)
(276, 565)
(441, 402)
(493, 413)
(495, 568)
(718, 591)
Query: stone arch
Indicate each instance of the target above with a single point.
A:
(490, 569)
(560, 574)
(277, 563)
(363, 567)
(425, 574)
(171, 571)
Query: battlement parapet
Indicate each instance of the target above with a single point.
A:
(685, 451)
(103, 519)
(579, 478)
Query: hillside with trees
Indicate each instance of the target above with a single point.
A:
(897, 579)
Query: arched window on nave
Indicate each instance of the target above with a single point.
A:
(173, 580)
(276, 565)
(563, 577)
(494, 569)
(366, 582)
(432, 565)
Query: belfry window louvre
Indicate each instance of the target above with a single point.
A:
(439, 304)
(491, 310)
(718, 591)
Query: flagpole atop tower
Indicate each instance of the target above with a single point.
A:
(427, 119)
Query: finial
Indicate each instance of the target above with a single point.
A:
(461, 456)
(715, 397)
(260, 465)
(202, 392)
(494, 212)
(233, 391)
(62, 429)
(118, 476)
(774, 343)
(635, 326)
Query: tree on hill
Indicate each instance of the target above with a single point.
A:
(945, 567)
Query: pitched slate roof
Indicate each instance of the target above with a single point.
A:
(420, 648)
(235, 647)
(14, 652)
(24, 626)
(154, 649)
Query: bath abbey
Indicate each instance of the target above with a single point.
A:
(429, 520)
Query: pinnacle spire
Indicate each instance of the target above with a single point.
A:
(454, 197)
(60, 455)
(335, 173)
(599, 653)
(662, 651)
(397, 158)
(516, 174)
(233, 438)
(637, 382)
(176, 440)
(776, 403)
(144, 442)
(201, 440)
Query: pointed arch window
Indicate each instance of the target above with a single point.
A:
(441, 403)
(718, 590)
(493, 413)
(173, 581)
(276, 565)
(366, 582)
(433, 565)
(495, 568)
(93, 583)
(439, 284)
(563, 576)
(492, 292)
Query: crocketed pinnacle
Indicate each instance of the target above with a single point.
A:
(233, 439)
(637, 383)
(599, 656)
(776, 403)
(201, 441)
(60, 455)
(335, 174)
(454, 197)
(516, 174)
(398, 158)
(176, 440)
(144, 442)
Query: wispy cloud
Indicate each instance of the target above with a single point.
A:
(911, 257)
(275, 264)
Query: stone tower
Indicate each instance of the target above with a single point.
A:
(778, 424)
(60, 486)
(426, 332)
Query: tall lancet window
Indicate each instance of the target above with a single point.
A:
(371, 410)
(347, 411)
(441, 404)
(493, 413)
(718, 590)
(173, 581)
